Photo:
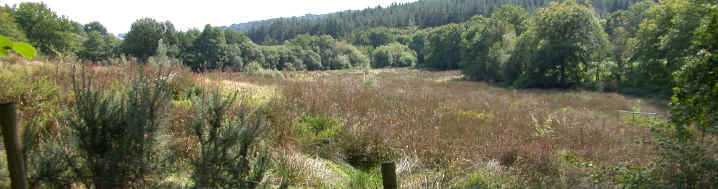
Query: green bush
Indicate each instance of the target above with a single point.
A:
(317, 134)
(118, 133)
(255, 69)
(228, 145)
(324, 128)
(677, 164)
(393, 55)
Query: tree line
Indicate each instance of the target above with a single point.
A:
(150, 40)
(422, 14)
(55, 35)
(569, 44)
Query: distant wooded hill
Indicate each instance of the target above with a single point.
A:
(245, 27)
(422, 14)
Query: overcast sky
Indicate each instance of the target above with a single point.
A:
(118, 15)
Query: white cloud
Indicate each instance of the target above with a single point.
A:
(117, 16)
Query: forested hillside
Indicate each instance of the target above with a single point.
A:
(422, 14)
(245, 27)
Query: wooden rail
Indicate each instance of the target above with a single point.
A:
(649, 114)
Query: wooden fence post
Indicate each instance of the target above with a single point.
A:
(12, 146)
(388, 175)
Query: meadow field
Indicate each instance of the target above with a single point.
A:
(331, 129)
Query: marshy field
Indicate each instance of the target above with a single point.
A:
(459, 94)
(332, 129)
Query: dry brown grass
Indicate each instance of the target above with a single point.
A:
(439, 128)
(455, 126)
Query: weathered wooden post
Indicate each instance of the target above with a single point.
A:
(388, 175)
(284, 184)
(12, 146)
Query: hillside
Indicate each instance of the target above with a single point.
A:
(423, 14)
(245, 27)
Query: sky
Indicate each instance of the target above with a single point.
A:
(118, 15)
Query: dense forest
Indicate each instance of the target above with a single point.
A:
(421, 14)
(162, 108)
(245, 27)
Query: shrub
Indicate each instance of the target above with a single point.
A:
(117, 134)
(226, 144)
(324, 128)
(364, 149)
(677, 164)
(256, 69)
(48, 157)
(317, 133)
(393, 55)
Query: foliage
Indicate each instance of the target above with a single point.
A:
(256, 69)
(50, 33)
(517, 16)
(227, 145)
(117, 135)
(374, 37)
(486, 44)
(9, 27)
(209, 47)
(95, 27)
(163, 55)
(418, 44)
(39, 101)
(324, 53)
(97, 47)
(23, 49)
(685, 157)
(356, 58)
(680, 162)
(694, 101)
(215, 48)
(362, 179)
(442, 50)
(487, 178)
(315, 135)
(570, 40)
(393, 55)
(421, 14)
(690, 159)
(185, 45)
(144, 36)
(525, 52)
(663, 42)
(323, 127)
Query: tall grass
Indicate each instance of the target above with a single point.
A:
(454, 127)
(443, 132)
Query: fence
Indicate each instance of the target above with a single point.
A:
(15, 162)
(634, 114)
(388, 175)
